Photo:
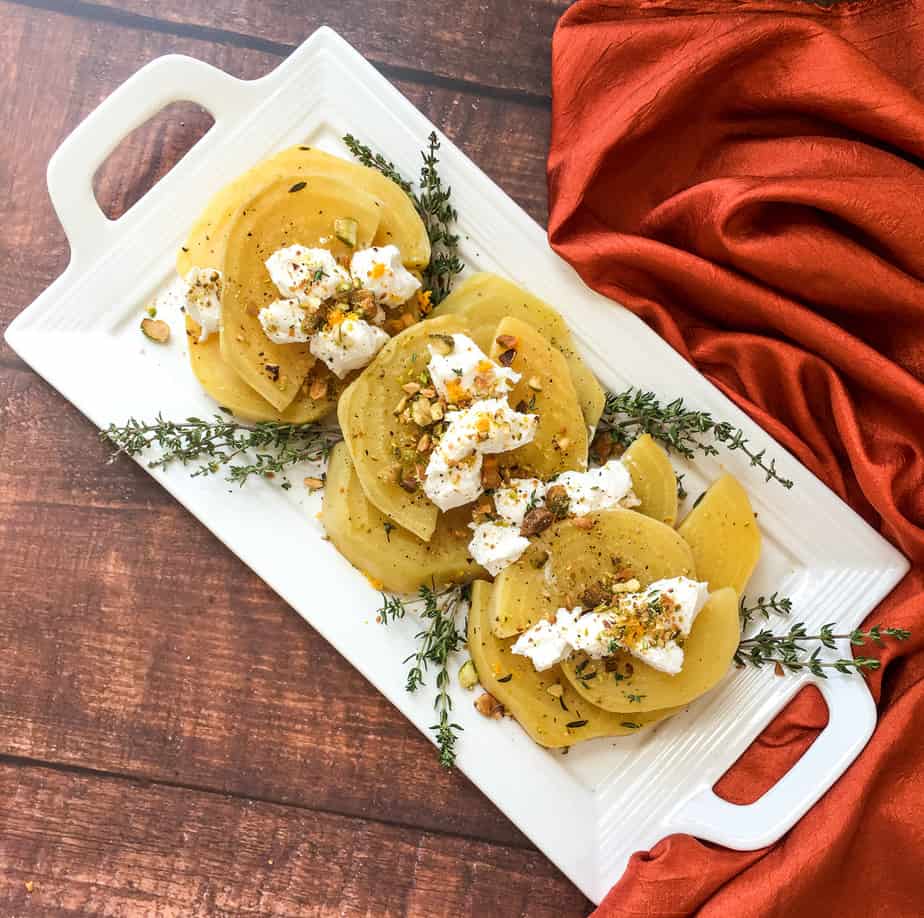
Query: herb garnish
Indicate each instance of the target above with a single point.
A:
(220, 441)
(635, 699)
(629, 414)
(298, 186)
(630, 725)
(781, 605)
(437, 642)
(788, 650)
(433, 205)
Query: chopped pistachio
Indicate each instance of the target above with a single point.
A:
(421, 412)
(156, 329)
(468, 675)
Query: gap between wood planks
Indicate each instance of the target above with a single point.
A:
(85, 10)
(16, 761)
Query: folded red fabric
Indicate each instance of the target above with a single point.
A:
(747, 177)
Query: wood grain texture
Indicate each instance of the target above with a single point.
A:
(111, 848)
(501, 46)
(136, 644)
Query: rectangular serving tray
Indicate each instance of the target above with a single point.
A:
(589, 810)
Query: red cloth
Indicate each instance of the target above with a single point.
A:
(747, 177)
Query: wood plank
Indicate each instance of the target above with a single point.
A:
(502, 46)
(91, 58)
(109, 847)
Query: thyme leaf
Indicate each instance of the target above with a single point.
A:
(633, 412)
(439, 639)
(780, 605)
(210, 444)
(790, 651)
(433, 204)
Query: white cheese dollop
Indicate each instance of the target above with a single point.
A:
(598, 489)
(488, 426)
(284, 321)
(495, 545)
(452, 484)
(348, 346)
(549, 643)
(546, 643)
(466, 372)
(299, 272)
(203, 299)
(512, 499)
(379, 270)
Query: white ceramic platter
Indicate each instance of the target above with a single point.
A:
(589, 810)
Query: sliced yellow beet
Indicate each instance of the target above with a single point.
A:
(208, 239)
(485, 299)
(400, 224)
(545, 704)
(545, 388)
(723, 533)
(376, 436)
(393, 557)
(224, 385)
(566, 559)
(624, 684)
(653, 479)
(292, 210)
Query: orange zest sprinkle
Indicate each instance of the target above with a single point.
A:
(378, 269)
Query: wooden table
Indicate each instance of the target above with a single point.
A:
(174, 740)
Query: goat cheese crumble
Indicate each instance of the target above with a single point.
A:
(488, 426)
(301, 273)
(453, 484)
(347, 345)
(381, 271)
(465, 372)
(512, 500)
(203, 299)
(284, 321)
(495, 545)
(599, 488)
(650, 624)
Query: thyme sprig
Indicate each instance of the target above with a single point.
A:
(775, 604)
(433, 203)
(211, 444)
(790, 651)
(633, 412)
(439, 639)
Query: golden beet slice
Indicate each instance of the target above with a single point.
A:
(653, 479)
(723, 533)
(395, 558)
(545, 389)
(224, 385)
